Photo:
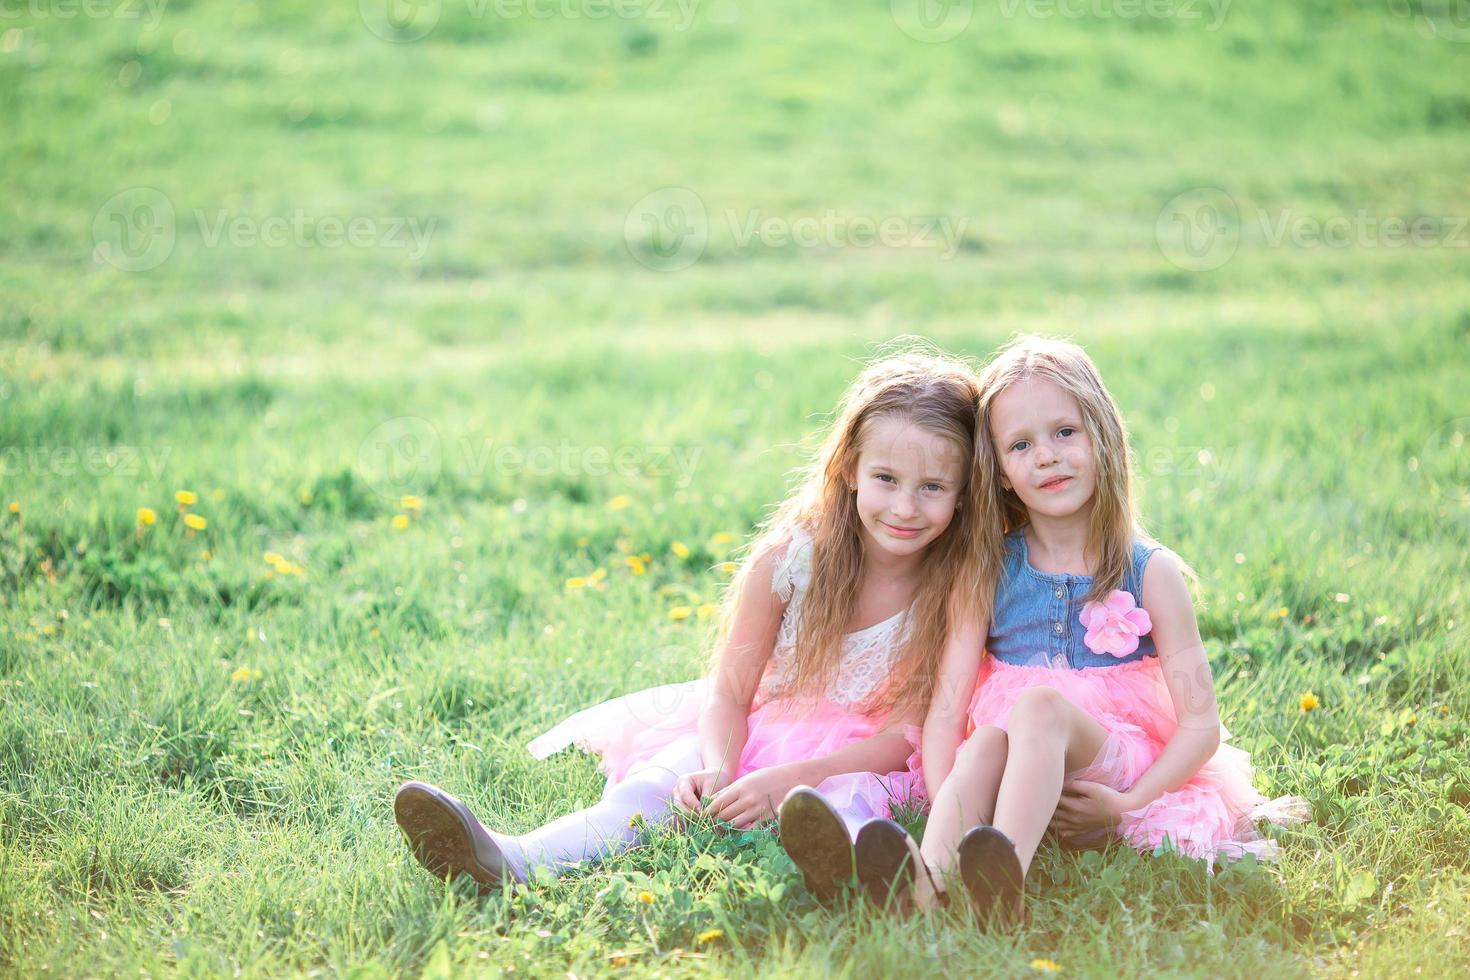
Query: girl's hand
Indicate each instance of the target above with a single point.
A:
(691, 790)
(755, 796)
(1086, 807)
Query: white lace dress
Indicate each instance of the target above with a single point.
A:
(636, 727)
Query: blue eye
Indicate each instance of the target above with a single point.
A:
(1020, 445)
(1065, 431)
(934, 486)
(884, 476)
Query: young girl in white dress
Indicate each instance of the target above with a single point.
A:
(833, 632)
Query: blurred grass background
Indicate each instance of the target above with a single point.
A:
(555, 326)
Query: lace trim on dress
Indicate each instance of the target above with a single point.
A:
(867, 655)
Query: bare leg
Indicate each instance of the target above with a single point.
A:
(966, 799)
(1049, 737)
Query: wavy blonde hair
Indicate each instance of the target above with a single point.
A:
(1114, 524)
(938, 393)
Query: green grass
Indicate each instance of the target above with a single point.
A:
(1292, 406)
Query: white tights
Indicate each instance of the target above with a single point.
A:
(603, 829)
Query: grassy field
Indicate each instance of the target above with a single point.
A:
(583, 278)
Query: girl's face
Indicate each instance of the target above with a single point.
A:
(1044, 450)
(908, 484)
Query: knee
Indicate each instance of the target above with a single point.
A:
(985, 746)
(1038, 710)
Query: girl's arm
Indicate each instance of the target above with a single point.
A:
(742, 661)
(945, 723)
(1187, 674)
(884, 752)
(757, 795)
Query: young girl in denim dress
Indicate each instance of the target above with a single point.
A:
(1093, 710)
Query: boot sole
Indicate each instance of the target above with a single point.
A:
(440, 832)
(816, 841)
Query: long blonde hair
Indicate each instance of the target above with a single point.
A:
(937, 393)
(1114, 524)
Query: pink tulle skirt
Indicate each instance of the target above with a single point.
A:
(634, 728)
(1214, 815)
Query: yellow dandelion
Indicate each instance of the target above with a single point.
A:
(15, 506)
(1309, 702)
(634, 821)
(205, 555)
(274, 558)
(721, 537)
(147, 516)
(636, 564)
(680, 548)
(186, 498)
(306, 498)
(194, 522)
(708, 609)
(681, 612)
(244, 675)
(727, 567)
(1046, 966)
(583, 541)
(577, 582)
(400, 521)
(645, 897)
(1411, 720)
(619, 502)
(598, 574)
(410, 502)
(709, 936)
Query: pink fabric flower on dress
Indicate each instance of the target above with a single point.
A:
(1115, 624)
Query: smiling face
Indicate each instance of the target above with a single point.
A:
(1045, 453)
(908, 482)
